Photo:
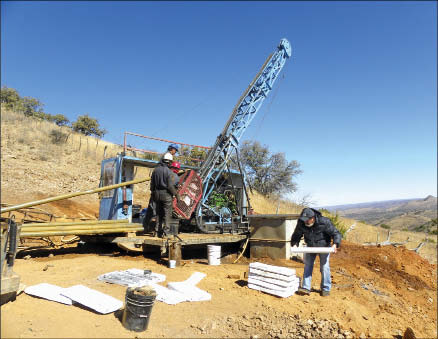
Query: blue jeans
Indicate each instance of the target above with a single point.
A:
(324, 267)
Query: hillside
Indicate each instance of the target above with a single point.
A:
(36, 163)
(410, 214)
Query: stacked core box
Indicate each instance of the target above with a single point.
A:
(276, 280)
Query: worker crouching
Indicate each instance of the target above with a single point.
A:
(318, 231)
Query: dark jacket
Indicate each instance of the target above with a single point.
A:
(318, 235)
(162, 179)
(175, 179)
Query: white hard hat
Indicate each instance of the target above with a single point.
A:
(168, 157)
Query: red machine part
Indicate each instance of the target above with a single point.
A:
(190, 192)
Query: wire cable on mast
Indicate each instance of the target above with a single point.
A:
(268, 109)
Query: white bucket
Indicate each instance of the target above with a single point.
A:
(214, 254)
(172, 263)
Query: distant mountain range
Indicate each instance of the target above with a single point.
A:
(407, 214)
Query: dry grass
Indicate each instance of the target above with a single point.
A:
(38, 134)
(263, 205)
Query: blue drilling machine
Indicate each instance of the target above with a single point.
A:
(216, 174)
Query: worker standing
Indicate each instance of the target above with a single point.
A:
(175, 168)
(162, 191)
(318, 231)
(172, 150)
(151, 210)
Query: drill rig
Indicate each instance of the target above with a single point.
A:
(214, 173)
(196, 210)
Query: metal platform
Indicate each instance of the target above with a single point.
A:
(173, 245)
(182, 238)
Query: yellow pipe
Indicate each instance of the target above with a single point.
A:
(80, 232)
(77, 227)
(78, 223)
(71, 195)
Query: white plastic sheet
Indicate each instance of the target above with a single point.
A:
(186, 290)
(49, 292)
(168, 296)
(192, 293)
(93, 299)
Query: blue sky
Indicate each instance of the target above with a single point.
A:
(356, 104)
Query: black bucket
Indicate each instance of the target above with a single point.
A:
(138, 308)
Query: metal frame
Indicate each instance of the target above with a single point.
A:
(242, 115)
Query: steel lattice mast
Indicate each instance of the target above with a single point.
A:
(240, 118)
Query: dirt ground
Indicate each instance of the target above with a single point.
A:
(377, 292)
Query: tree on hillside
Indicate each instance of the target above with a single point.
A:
(9, 97)
(268, 173)
(60, 119)
(31, 107)
(192, 156)
(88, 126)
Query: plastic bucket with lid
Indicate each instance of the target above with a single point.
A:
(138, 308)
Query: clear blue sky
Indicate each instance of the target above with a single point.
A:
(357, 106)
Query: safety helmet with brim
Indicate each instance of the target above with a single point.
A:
(175, 146)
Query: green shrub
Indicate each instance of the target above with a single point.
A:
(59, 119)
(151, 156)
(336, 221)
(420, 228)
(88, 126)
(43, 157)
(220, 200)
(385, 226)
(58, 137)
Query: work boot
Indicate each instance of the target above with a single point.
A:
(325, 293)
(303, 291)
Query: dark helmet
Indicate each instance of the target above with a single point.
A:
(175, 146)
